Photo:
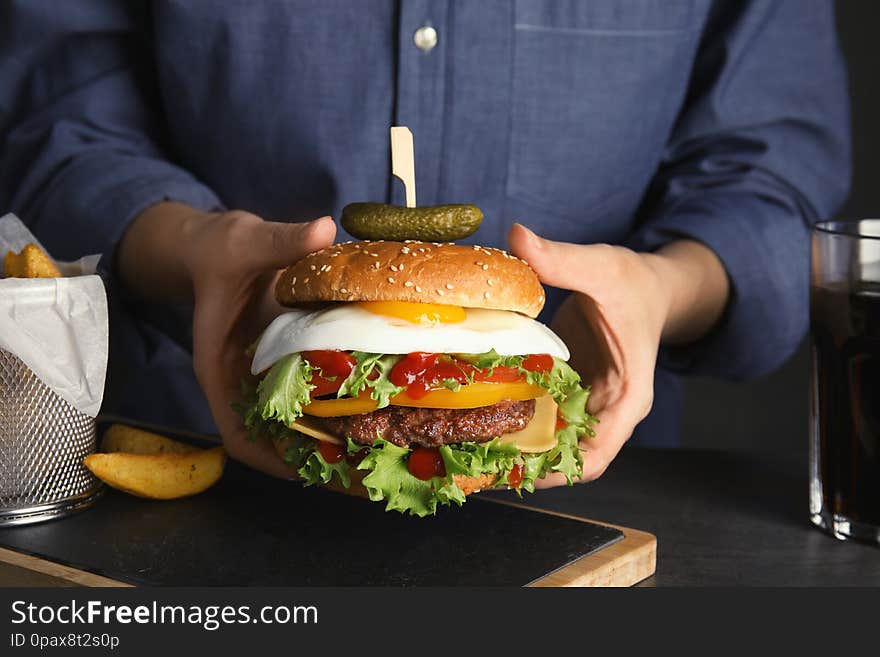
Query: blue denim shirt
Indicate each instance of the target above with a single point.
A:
(626, 121)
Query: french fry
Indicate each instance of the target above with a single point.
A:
(159, 476)
(31, 262)
(122, 438)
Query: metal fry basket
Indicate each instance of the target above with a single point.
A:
(43, 440)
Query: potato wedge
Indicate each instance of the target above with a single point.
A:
(31, 262)
(122, 438)
(159, 476)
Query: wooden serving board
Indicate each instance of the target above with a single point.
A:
(622, 563)
(252, 530)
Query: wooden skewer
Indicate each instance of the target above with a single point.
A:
(403, 161)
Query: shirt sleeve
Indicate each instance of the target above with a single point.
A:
(760, 152)
(81, 147)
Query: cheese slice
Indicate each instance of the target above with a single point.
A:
(313, 429)
(539, 434)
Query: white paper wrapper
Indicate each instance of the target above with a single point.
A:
(57, 326)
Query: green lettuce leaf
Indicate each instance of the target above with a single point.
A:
(279, 398)
(301, 453)
(475, 459)
(490, 360)
(534, 467)
(390, 480)
(382, 388)
(315, 470)
(285, 390)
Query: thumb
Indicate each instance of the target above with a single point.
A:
(278, 244)
(557, 263)
(560, 264)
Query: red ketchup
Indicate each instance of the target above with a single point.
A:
(335, 366)
(425, 463)
(420, 372)
(515, 476)
(330, 452)
(417, 372)
(538, 363)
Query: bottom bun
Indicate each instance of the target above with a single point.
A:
(468, 484)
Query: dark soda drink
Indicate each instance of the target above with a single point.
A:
(845, 407)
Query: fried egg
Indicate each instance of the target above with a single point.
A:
(362, 327)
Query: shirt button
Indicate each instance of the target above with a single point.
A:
(425, 38)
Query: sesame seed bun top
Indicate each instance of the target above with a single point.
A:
(425, 272)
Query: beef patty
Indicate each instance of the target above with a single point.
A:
(431, 427)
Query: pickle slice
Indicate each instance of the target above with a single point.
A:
(429, 223)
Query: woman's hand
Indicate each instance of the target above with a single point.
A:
(227, 265)
(623, 304)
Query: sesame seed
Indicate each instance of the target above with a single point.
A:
(404, 249)
(422, 249)
(449, 286)
(312, 267)
(489, 282)
(418, 289)
(486, 294)
(306, 279)
(440, 292)
(408, 284)
(485, 267)
(293, 281)
(390, 280)
(343, 290)
(400, 267)
(375, 255)
(476, 248)
(479, 263)
(393, 267)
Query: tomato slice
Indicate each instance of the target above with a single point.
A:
(421, 373)
(425, 378)
(499, 374)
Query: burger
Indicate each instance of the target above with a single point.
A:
(415, 373)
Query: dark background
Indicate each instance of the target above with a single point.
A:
(770, 414)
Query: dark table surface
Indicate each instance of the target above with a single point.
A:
(721, 519)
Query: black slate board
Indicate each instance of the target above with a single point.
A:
(252, 530)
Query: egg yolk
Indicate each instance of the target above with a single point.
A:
(417, 313)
